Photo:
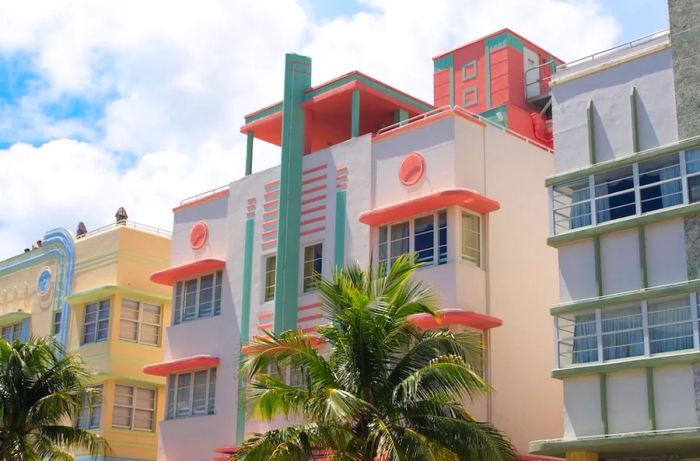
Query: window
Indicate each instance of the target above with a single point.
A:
(469, 70)
(578, 339)
(313, 266)
(622, 333)
(197, 298)
(650, 327)
(96, 326)
(692, 165)
(670, 325)
(57, 322)
(140, 322)
(471, 238)
(571, 205)
(191, 394)
(418, 236)
(626, 191)
(134, 407)
(614, 192)
(470, 97)
(270, 263)
(91, 413)
(11, 333)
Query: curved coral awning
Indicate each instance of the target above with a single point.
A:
(456, 317)
(466, 198)
(185, 364)
(172, 274)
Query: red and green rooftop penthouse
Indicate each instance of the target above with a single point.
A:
(351, 105)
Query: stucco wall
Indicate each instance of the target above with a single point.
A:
(619, 254)
(666, 252)
(609, 89)
(582, 411)
(577, 271)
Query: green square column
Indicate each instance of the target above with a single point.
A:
(297, 79)
(249, 153)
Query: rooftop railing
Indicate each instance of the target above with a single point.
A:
(600, 54)
(465, 113)
(130, 224)
(201, 195)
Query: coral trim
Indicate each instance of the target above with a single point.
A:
(174, 366)
(465, 198)
(172, 274)
(448, 317)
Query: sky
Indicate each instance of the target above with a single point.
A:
(139, 103)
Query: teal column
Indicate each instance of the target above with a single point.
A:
(340, 201)
(249, 153)
(400, 115)
(297, 78)
(355, 122)
(245, 323)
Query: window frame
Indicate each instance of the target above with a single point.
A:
(180, 297)
(133, 407)
(15, 330)
(689, 300)
(97, 321)
(89, 406)
(56, 324)
(139, 322)
(411, 237)
(268, 296)
(480, 236)
(173, 393)
(592, 201)
(304, 277)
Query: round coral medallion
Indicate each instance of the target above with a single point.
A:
(412, 169)
(199, 235)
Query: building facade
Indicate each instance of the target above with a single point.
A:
(93, 294)
(367, 173)
(624, 219)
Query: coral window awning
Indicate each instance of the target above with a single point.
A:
(466, 198)
(449, 317)
(172, 274)
(193, 362)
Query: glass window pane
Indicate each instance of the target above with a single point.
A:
(313, 265)
(270, 262)
(121, 417)
(670, 325)
(199, 394)
(150, 334)
(217, 293)
(212, 391)
(170, 412)
(206, 295)
(622, 333)
(143, 419)
(130, 309)
(128, 330)
(471, 238)
(189, 311)
(442, 237)
(183, 395)
(150, 313)
(177, 314)
(692, 161)
(424, 239)
(145, 398)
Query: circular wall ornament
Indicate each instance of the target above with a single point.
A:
(412, 169)
(43, 282)
(199, 235)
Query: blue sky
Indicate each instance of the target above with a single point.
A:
(138, 104)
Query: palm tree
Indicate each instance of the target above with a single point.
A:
(41, 388)
(382, 390)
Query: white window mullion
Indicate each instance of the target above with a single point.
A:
(592, 194)
(695, 319)
(599, 333)
(645, 328)
(637, 191)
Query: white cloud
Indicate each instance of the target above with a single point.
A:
(181, 75)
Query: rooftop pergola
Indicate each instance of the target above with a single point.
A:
(349, 106)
